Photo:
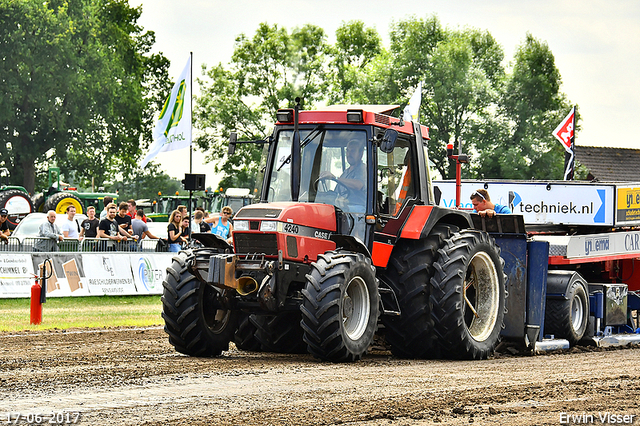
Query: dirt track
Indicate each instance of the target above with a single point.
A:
(133, 376)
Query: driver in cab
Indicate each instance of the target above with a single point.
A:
(351, 182)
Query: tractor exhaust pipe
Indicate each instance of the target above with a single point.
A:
(246, 285)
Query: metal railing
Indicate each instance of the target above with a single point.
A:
(38, 244)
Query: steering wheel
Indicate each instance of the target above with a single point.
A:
(326, 188)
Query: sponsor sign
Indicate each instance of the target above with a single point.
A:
(149, 272)
(542, 202)
(16, 275)
(596, 245)
(109, 274)
(628, 205)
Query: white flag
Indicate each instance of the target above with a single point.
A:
(173, 129)
(412, 109)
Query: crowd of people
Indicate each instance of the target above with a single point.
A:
(125, 222)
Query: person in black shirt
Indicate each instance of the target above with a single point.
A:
(174, 231)
(109, 229)
(122, 219)
(4, 226)
(89, 226)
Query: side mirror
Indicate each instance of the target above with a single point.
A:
(233, 138)
(389, 141)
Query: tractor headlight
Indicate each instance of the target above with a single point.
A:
(241, 225)
(268, 226)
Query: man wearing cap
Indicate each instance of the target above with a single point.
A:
(49, 234)
(4, 226)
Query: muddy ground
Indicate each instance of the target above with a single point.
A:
(134, 377)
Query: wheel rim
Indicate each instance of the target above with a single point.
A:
(356, 308)
(66, 202)
(215, 319)
(481, 296)
(577, 313)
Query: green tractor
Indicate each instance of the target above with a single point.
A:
(165, 204)
(58, 199)
(15, 199)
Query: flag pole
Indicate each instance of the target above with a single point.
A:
(190, 137)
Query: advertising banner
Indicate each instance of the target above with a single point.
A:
(109, 274)
(66, 279)
(628, 205)
(16, 275)
(149, 271)
(542, 202)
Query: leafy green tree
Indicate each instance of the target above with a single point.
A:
(146, 185)
(80, 87)
(532, 106)
(267, 72)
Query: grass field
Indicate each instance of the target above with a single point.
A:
(73, 312)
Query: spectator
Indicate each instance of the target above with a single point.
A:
(174, 231)
(222, 226)
(140, 228)
(49, 234)
(70, 227)
(107, 200)
(483, 205)
(122, 219)
(4, 226)
(89, 226)
(199, 223)
(133, 210)
(109, 228)
(186, 230)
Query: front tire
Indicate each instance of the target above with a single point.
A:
(341, 306)
(195, 320)
(468, 296)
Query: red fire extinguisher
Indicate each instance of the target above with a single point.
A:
(39, 293)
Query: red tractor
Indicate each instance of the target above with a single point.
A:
(347, 235)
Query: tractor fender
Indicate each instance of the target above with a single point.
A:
(211, 240)
(350, 243)
(558, 283)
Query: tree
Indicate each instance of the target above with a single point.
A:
(531, 105)
(267, 72)
(79, 87)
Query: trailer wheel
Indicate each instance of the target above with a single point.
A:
(60, 201)
(244, 337)
(195, 320)
(408, 272)
(279, 333)
(468, 296)
(341, 306)
(19, 205)
(568, 318)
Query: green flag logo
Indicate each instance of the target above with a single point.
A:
(178, 107)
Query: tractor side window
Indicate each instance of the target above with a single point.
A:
(395, 182)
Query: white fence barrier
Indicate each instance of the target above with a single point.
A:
(85, 274)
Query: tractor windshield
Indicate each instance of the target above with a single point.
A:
(333, 168)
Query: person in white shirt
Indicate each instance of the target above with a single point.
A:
(71, 228)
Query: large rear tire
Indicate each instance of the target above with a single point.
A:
(568, 319)
(60, 201)
(195, 320)
(468, 296)
(38, 202)
(280, 333)
(410, 268)
(19, 205)
(341, 306)
(244, 337)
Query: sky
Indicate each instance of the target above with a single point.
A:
(596, 45)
